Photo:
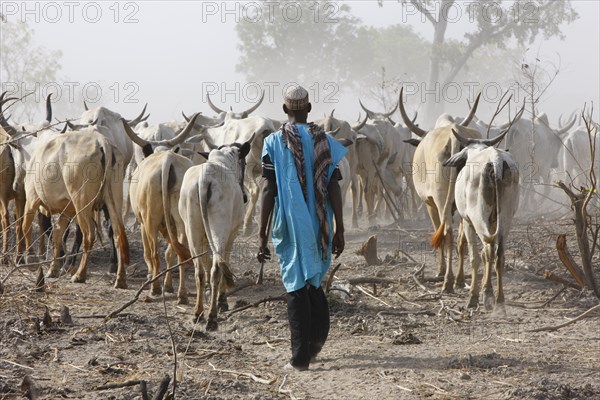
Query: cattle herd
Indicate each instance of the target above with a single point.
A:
(196, 182)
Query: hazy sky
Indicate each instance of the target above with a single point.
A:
(170, 53)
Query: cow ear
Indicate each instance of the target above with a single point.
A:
(413, 142)
(176, 150)
(204, 154)
(458, 160)
(147, 150)
(185, 152)
(244, 150)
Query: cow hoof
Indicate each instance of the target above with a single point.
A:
(500, 310)
(223, 306)
(447, 288)
(212, 325)
(473, 302)
(78, 278)
(169, 289)
(120, 284)
(52, 273)
(198, 317)
(30, 259)
(488, 301)
(156, 291)
(113, 268)
(459, 284)
(182, 299)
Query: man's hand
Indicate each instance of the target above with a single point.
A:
(264, 254)
(338, 243)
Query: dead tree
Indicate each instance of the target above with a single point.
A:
(580, 199)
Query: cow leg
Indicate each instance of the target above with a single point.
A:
(152, 258)
(250, 208)
(4, 213)
(28, 214)
(45, 224)
(170, 259)
(499, 263)
(435, 220)
(215, 286)
(448, 243)
(355, 200)
(57, 239)
(488, 291)
(85, 220)
(72, 258)
(461, 245)
(20, 225)
(120, 237)
(474, 260)
(111, 238)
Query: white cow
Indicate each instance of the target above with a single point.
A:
(154, 194)
(212, 207)
(72, 175)
(487, 198)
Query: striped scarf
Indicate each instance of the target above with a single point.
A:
(322, 159)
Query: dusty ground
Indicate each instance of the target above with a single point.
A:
(370, 352)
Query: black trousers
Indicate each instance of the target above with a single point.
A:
(308, 315)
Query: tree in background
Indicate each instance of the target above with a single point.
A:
(25, 66)
(499, 23)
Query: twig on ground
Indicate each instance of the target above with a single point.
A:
(172, 342)
(569, 322)
(371, 296)
(119, 385)
(555, 278)
(246, 374)
(418, 280)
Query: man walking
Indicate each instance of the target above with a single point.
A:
(300, 186)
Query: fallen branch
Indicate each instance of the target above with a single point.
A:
(119, 385)
(403, 313)
(555, 278)
(418, 281)
(366, 279)
(255, 304)
(568, 261)
(373, 297)
(569, 322)
(246, 374)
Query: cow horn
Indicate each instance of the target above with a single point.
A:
(369, 112)
(3, 123)
(486, 142)
(85, 106)
(361, 125)
(64, 129)
(209, 143)
(469, 118)
(187, 119)
(138, 119)
(568, 127)
(211, 105)
(132, 135)
(409, 124)
(254, 107)
(334, 132)
(184, 133)
(49, 107)
(331, 115)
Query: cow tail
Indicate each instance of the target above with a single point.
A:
(227, 275)
(181, 250)
(109, 165)
(498, 178)
(446, 215)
